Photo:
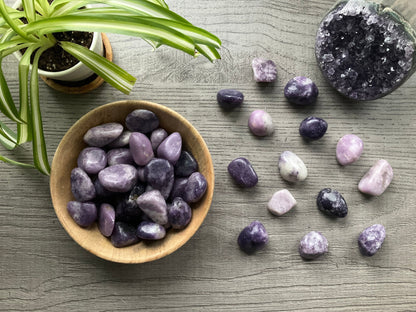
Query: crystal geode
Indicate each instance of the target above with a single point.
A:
(364, 50)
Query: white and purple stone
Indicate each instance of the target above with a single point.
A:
(349, 149)
(377, 179)
(301, 91)
(260, 123)
(281, 202)
(264, 70)
(291, 167)
(313, 245)
(371, 239)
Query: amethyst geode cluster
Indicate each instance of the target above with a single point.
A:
(363, 49)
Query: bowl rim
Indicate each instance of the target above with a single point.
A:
(56, 177)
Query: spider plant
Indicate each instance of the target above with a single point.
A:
(150, 20)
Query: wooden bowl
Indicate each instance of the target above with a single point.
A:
(65, 160)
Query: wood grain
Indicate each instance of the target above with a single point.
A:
(42, 269)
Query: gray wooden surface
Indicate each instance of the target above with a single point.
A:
(42, 269)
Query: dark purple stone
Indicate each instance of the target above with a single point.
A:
(242, 172)
(118, 156)
(123, 235)
(186, 165)
(313, 128)
(127, 209)
(100, 190)
(157, 137)
(104, 134)
(371, 239)
(106, 219)
(301, 91)
(229, 99)
(159, 174)
(253, 237)
(179, 213)
(150, 231)
(142, 120)
(84, 214)
(332, 203)
(195, 188)
(178, 189)
(363, 50)
(92, 160)
(81, 185)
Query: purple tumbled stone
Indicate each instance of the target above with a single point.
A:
(377, 179)
(242, 172)
(123, 235)
(157, 136)
(159, 174)
(371, 239)
(81, 185)
(118, 156)
(260, 123)
(100, 190)
(140, 148)
(142, 120)
(150, 231)
(84, 214)
(140, 173)
(118, 178)
(179, 213)
(301, 91)
(349, 149)
(186, 165)
(106, 219)
(121, 141)
(104, 134)
(92, 160)
(195, 188)
(154, 206)
(264, 70)
(178, 189)
(313, 128)
(253, 237)
(127, 209)
(229, 99)
(313, 245)
(281, 202)
(170, 148)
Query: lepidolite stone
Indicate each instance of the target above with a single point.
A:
(150, 231)
(332, 203)
(313, 245)
(142, 120)
(281, 202)
(363, 50)
(291, 167)
(103, 134)
(349, 149)
(92, 160)
(241, 170)
(301, 91)
(313, 128)
(195, 187)
(377, 179)
(171, 147)
(371, 239)
(253, 237)
(81, 185)
(140, 148)
(118, 178)
(264, 70)
(154, 206)
(260, 123)
(84, 214)
(229, 98)
(123, 235)
(106, 219)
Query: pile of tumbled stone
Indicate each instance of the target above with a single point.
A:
(303, 91)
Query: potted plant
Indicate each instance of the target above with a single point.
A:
(33, 31)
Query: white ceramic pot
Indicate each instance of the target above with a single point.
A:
(77, 72)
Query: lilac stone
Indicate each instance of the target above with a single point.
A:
(84, 214)
(171, 148)
(195, 187)
(118, 178)
(377, 179)
(349, 149)
(121, 141)
(81, 185)
(253, 237)
(123, 235)
(106, 219)
(291, 167)
(313, 128)
(264, 70)
(260, 123)
(281, 202)
(242, 172)
(371, 239)
(179, 213)
(301, 91)
(154, 206)
(142, 120)
(186, 165)
(313, 245)
(178, 189)
(159, 174)
(141, 148)
(229, 99)
(150, 231)
(157, 136)
(104, 134)
(118, 156)
(92, 160)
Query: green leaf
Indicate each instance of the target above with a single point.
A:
(68, 7)
(209, 52)
(14, 23)
(11, 43)
(29, 10)
(43, 7)
(40, 155)
(13, 162)
(7, 137)
(146, 29)
(109, 71)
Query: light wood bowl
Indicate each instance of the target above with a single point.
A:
(65, 160)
